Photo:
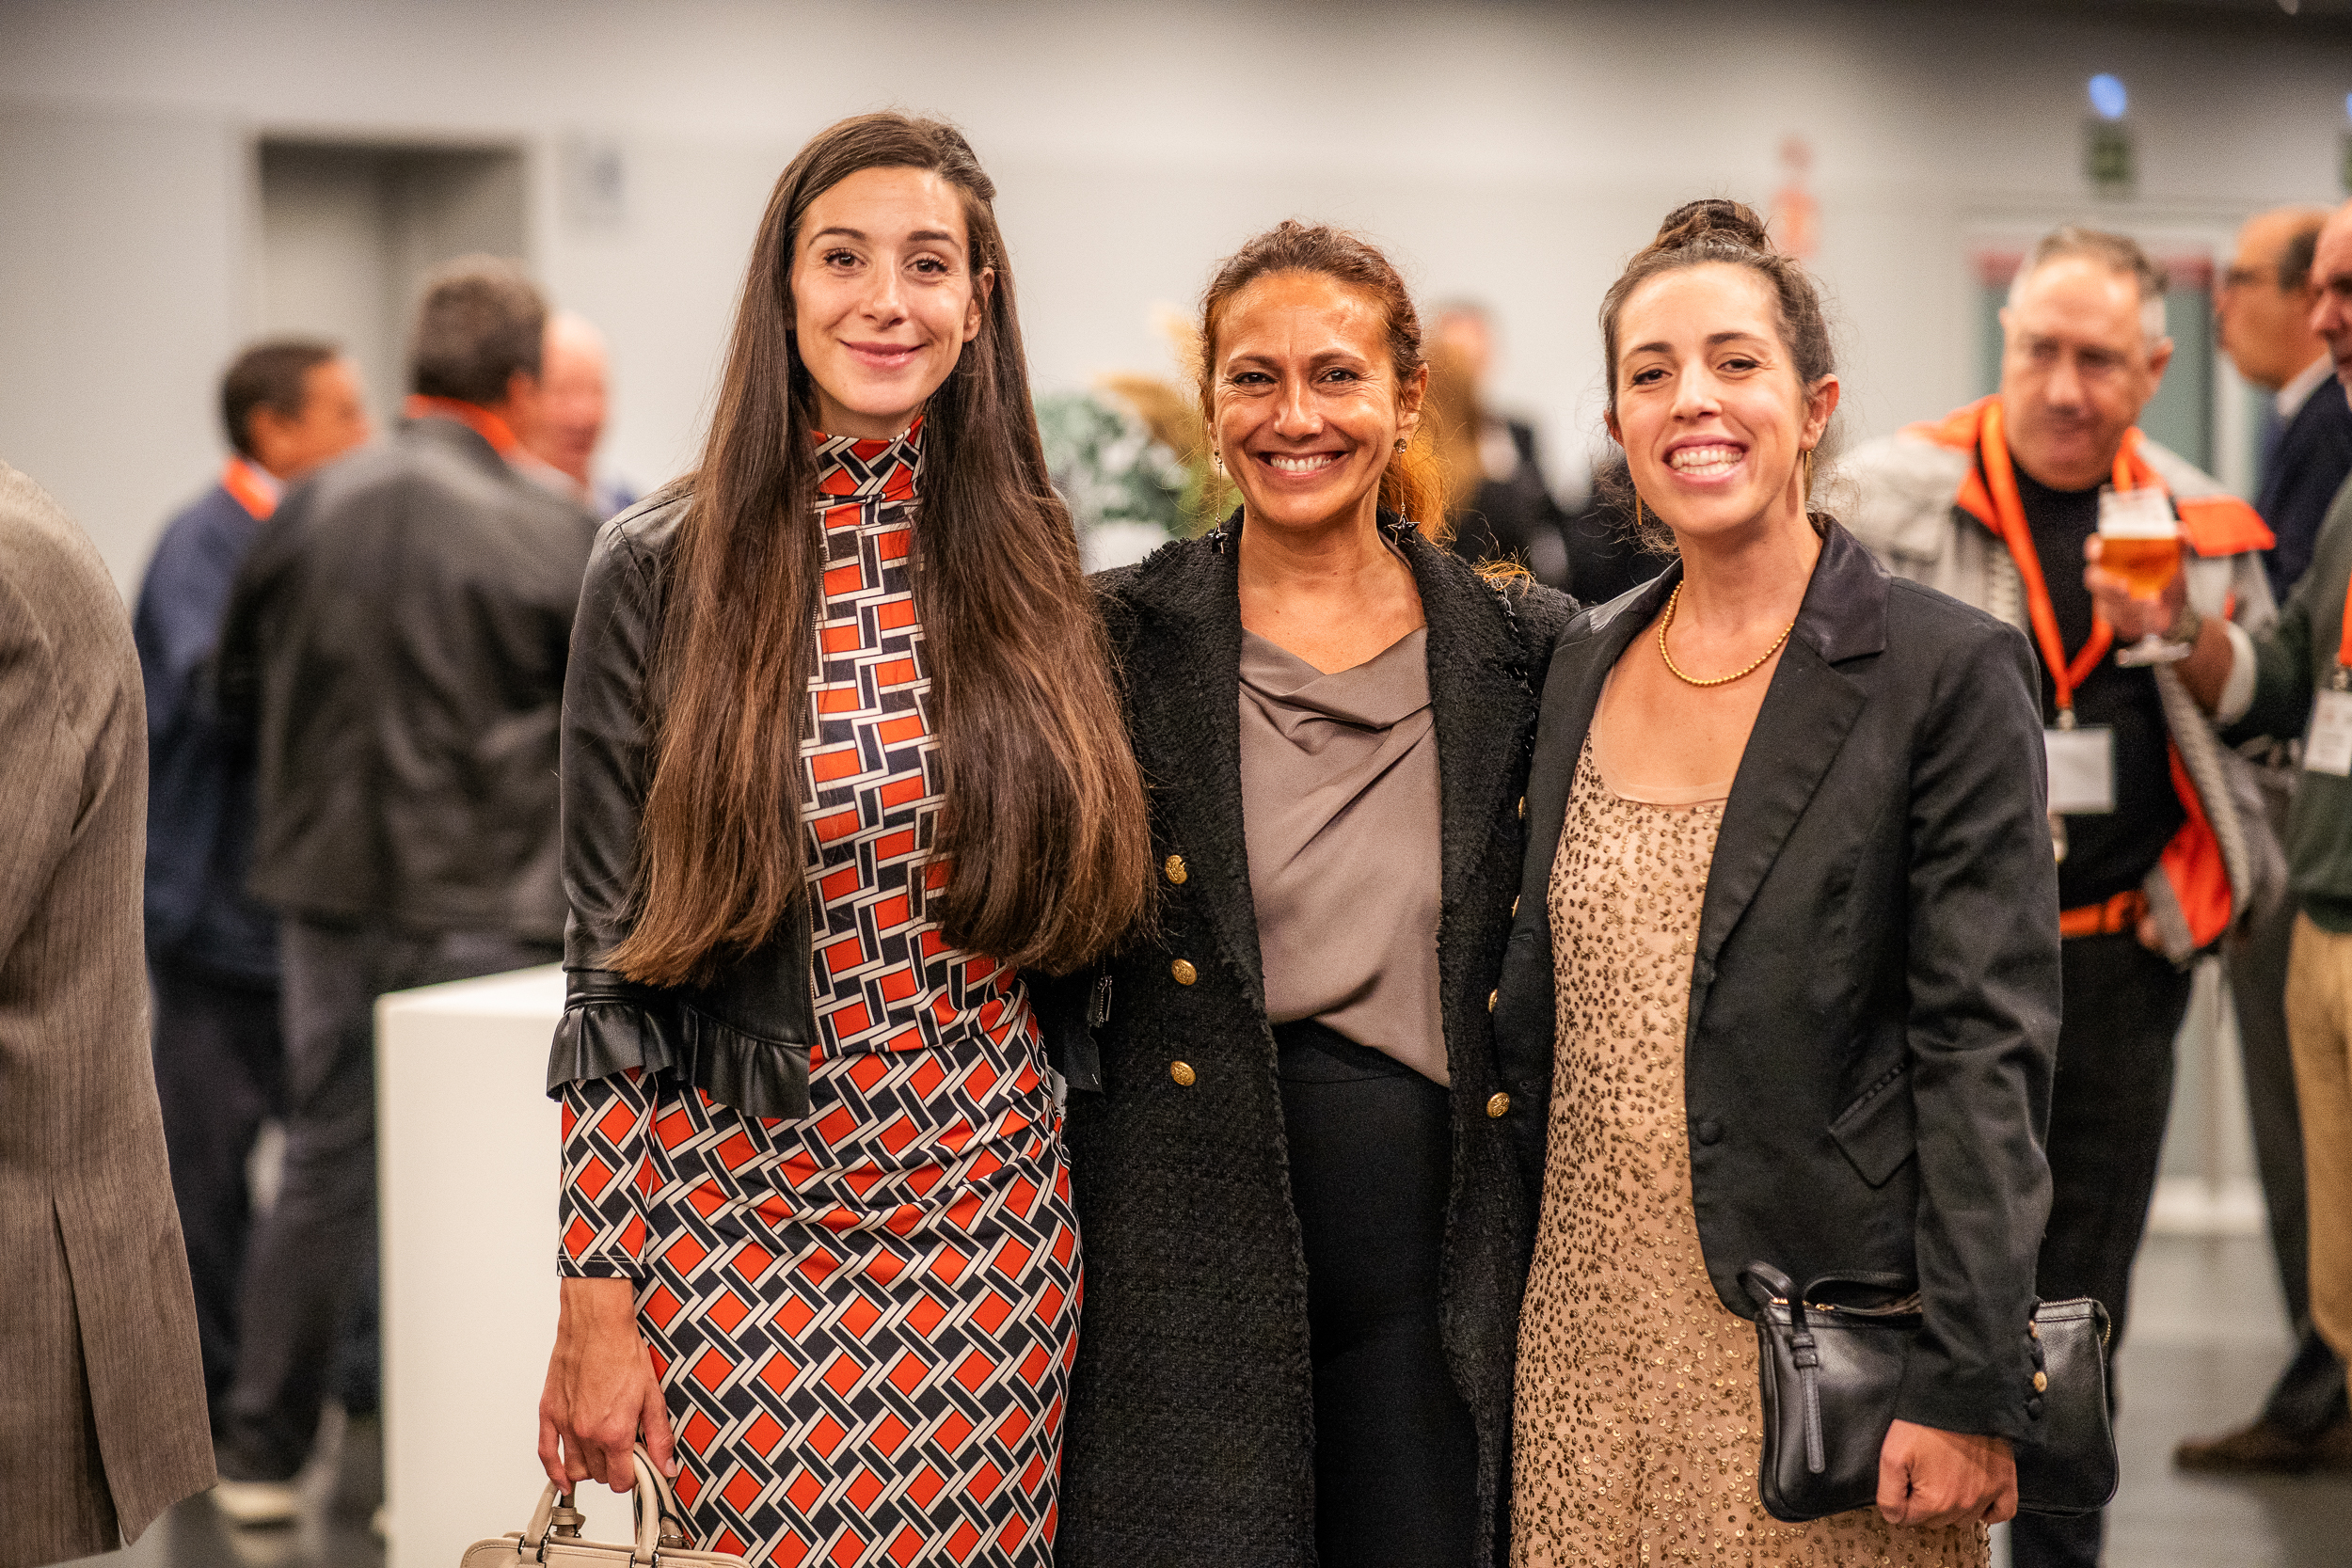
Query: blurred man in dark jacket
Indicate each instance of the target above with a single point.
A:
(288, 407)
(396, 646)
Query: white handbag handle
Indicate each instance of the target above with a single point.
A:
(652, 1503)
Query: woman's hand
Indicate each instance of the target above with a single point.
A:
(601, 1391)
(1931, 1477)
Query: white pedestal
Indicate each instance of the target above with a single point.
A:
(467, 1157)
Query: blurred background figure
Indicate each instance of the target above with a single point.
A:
(2263, 319)
(1495, 492)
(1129, 456)
(1993, 505)
(1608, 555)
(566, 423)
(287, 406)
(101, 1392)
(395, 647)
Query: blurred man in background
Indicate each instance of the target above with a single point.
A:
(287, 408)
(102, 1388)
(567, 419)
(395, 644)
(2297, 681)
(1993, 505)
(2265, 324)
(1501, 502)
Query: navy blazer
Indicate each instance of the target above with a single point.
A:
(1874, 999)
(2300, 479)
(200, 808)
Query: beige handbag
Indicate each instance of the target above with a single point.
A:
(552, 1539)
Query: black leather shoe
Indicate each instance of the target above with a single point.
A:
(2262, 1448)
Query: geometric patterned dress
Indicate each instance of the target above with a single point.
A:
(863, 1321)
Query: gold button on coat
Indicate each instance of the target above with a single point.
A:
(1182, 1072)
(1493, 997)
(1174, 868)
(1185, 974)
(2041, 1381)
(1498, 1105)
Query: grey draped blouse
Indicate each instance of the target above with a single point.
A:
(1339, 806)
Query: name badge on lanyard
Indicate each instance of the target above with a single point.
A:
(2328, 743)
(2082, 767)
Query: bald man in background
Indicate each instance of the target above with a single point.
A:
(2263, 319)
(563, 433)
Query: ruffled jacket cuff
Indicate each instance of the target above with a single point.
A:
(611, 1024)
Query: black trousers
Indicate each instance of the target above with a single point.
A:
(310, 1282)
(1396, 1451)
(2309, 1397)
(220, 1071)
(2107, 1110)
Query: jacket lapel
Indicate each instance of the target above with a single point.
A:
(1479, 694)
(1806, 716)
(1183, 681)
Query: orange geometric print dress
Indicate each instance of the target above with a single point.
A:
(863, 1320)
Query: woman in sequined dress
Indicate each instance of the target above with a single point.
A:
(1786, 962)
(844, 781)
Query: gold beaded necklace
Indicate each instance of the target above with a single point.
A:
(1674, 599)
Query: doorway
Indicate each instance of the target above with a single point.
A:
(348, 231)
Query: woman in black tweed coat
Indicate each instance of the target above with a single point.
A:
(1205, 1348)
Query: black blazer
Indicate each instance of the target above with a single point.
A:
(1874, 1001)
(1191, 1430)
(2300, 478)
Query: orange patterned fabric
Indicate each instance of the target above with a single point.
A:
(2212, 525)
(863, 1321)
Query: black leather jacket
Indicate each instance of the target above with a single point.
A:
(394, 653)
(743, 1036)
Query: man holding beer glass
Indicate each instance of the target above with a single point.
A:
(1995, 506)
(2297, 681)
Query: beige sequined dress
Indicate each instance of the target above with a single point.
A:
(1637, 1411)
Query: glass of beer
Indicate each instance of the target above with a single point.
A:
(2140, 541)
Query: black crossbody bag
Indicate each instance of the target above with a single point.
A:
(1830, 1362)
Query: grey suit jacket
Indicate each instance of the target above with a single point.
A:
(102, 1399)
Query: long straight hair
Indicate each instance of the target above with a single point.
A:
(1044, 831)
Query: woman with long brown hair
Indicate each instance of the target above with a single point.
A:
(844, 776)
(1304, 1234)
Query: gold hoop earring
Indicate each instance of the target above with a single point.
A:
(1637, 512)
(1808, 473)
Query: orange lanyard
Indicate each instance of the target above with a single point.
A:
(242, 480)
(2010, 512)
(487, 425)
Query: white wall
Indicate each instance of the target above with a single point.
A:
(1515, 151)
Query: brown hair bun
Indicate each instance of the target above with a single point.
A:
(1716, 218)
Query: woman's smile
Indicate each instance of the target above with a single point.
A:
(1704, 460)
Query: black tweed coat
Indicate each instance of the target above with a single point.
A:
(1191, 1430)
